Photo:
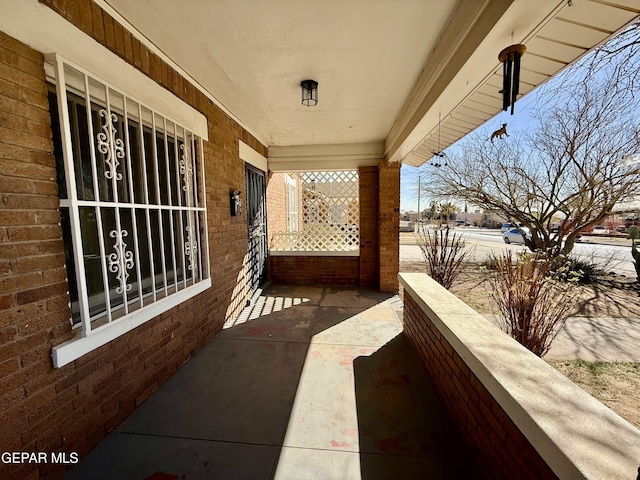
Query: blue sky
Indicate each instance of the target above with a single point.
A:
(520, 120)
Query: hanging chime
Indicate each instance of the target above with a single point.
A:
(510, 59)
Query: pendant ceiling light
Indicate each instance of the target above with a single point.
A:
(510, 59)
(309, 92)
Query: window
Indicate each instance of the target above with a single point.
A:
(292, 202)
(132, 205)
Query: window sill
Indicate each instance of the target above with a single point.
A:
(314, 253)
(75, 348)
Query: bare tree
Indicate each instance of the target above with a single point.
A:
(619, 58)
(626, 42)
(569, 167)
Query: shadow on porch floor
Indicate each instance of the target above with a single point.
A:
(308, 383)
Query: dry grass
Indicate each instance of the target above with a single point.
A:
(615, 384)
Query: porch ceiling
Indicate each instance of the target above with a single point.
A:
(385, 69)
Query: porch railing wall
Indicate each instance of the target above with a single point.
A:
(520, 417)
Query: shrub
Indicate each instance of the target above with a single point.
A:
(533, 304)
(491, 261)
(445, 254)
(580, 270)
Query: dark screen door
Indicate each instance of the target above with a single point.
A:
(257, 228)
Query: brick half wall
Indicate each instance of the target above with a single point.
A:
(498, 448)
(519, 416)
(315, 270)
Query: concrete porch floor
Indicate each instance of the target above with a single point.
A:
(309, 383)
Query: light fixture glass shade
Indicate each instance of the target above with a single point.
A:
(309, 92)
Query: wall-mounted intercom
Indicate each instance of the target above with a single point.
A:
(236, 203)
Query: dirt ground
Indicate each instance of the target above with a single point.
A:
(615, 384)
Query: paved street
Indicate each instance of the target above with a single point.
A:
(614, 254)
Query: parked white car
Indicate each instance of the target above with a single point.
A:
(600, 230)
(508, 226)
(515, 235)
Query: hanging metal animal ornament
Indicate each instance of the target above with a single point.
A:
(500, 132)
(437, 155)
(510, 59)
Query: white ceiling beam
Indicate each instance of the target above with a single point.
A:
(325, 157)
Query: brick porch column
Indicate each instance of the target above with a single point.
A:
(389, 224)
(369, 248)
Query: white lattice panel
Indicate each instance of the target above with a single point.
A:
(330, 214)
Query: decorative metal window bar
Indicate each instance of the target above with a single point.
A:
(135, 197)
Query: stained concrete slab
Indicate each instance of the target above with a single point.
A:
(324, 414)
(334, 465)
(397, 410)
(373, 326)
(310, 382)
(233, 391)
(352, 297)
(315, 464)
(311, 294)
(126, 456)
(291, 324)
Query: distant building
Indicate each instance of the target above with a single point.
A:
(410, 216)
(479, 219)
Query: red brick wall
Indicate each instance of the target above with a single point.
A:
(315, 270)
(73, 407)
(33, 288)
(276, 205)
(498, 447)
(369, 252)
(389, 225)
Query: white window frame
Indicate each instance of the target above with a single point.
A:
(291, 189)
(91, 334)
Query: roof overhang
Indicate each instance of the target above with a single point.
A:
(461, 85)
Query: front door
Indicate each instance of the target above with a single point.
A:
(257, 228)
